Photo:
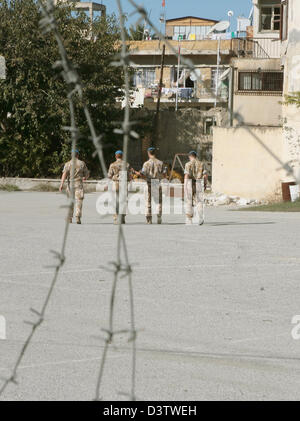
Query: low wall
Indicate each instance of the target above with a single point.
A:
(33, 183)
(244, 162)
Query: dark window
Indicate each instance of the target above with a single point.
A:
(261, 81)
(270, 17)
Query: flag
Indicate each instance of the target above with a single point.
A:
(163, 3)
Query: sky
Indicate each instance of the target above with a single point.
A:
(212, 9)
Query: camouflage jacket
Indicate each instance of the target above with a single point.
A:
(194, 169)
(153, 169)
(80, 172)
(116, 168)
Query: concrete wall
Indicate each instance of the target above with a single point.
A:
(202, 47)
(243, 164)
(256, 108)
(37, 184)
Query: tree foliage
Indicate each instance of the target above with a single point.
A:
(33, 98)
(293, 99)
(136, 33)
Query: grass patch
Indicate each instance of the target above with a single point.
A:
(44, 188)
(276, 207)
(9, 187)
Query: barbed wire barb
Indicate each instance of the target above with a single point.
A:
(121, 242)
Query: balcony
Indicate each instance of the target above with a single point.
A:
(257, 47)
(188, 96)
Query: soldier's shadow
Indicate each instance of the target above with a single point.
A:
(216, 224)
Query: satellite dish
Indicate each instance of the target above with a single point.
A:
(195, 75)
(230, 13)
(221, 26)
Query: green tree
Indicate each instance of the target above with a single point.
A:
(33, 101)
(293, 99)
(136, 33)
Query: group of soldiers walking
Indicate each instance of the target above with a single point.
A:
(153, 172)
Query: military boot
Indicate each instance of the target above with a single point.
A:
(123, 220)
(159, 220)
(78, 220)
(149, 220)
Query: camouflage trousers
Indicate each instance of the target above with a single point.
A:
(79, 196)
(153, 193)
(121, 195)
(194, 197)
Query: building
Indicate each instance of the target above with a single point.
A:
(257, 92)
(267, 27)
(85, 6)
(188, 28)
(290, 60)
(265, 139)
(193, 39)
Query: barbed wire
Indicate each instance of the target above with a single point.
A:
(120, 267)
(144, 17)
(48, 24)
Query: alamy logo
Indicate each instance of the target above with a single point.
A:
(296, 329)
(116, 198)
(2, 328)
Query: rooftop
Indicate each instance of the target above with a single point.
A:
(191, 17)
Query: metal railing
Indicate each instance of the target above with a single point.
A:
(257, 47)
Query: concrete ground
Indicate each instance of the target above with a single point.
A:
(214, 304)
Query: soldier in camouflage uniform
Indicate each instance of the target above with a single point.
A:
(194, 184)
(81, 174)
(153, 171)
(116, 174)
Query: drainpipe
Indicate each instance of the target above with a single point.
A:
(230, 99)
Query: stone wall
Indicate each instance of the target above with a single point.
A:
(28, 184)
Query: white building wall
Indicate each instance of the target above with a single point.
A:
(291, 62)
(268, 41)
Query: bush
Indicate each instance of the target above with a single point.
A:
(33, 98)
(9, 187)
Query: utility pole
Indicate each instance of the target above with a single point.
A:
(178, 72)
(156, 118)
(218, 69)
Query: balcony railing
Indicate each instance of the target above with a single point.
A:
(257, 47)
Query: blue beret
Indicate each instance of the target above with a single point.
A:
(152, 149)
(75, 151)
(193, 153)
(119, 153)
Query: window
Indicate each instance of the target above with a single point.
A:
(191, 32)
(261, 81)
(270, 17)
(144, 78)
